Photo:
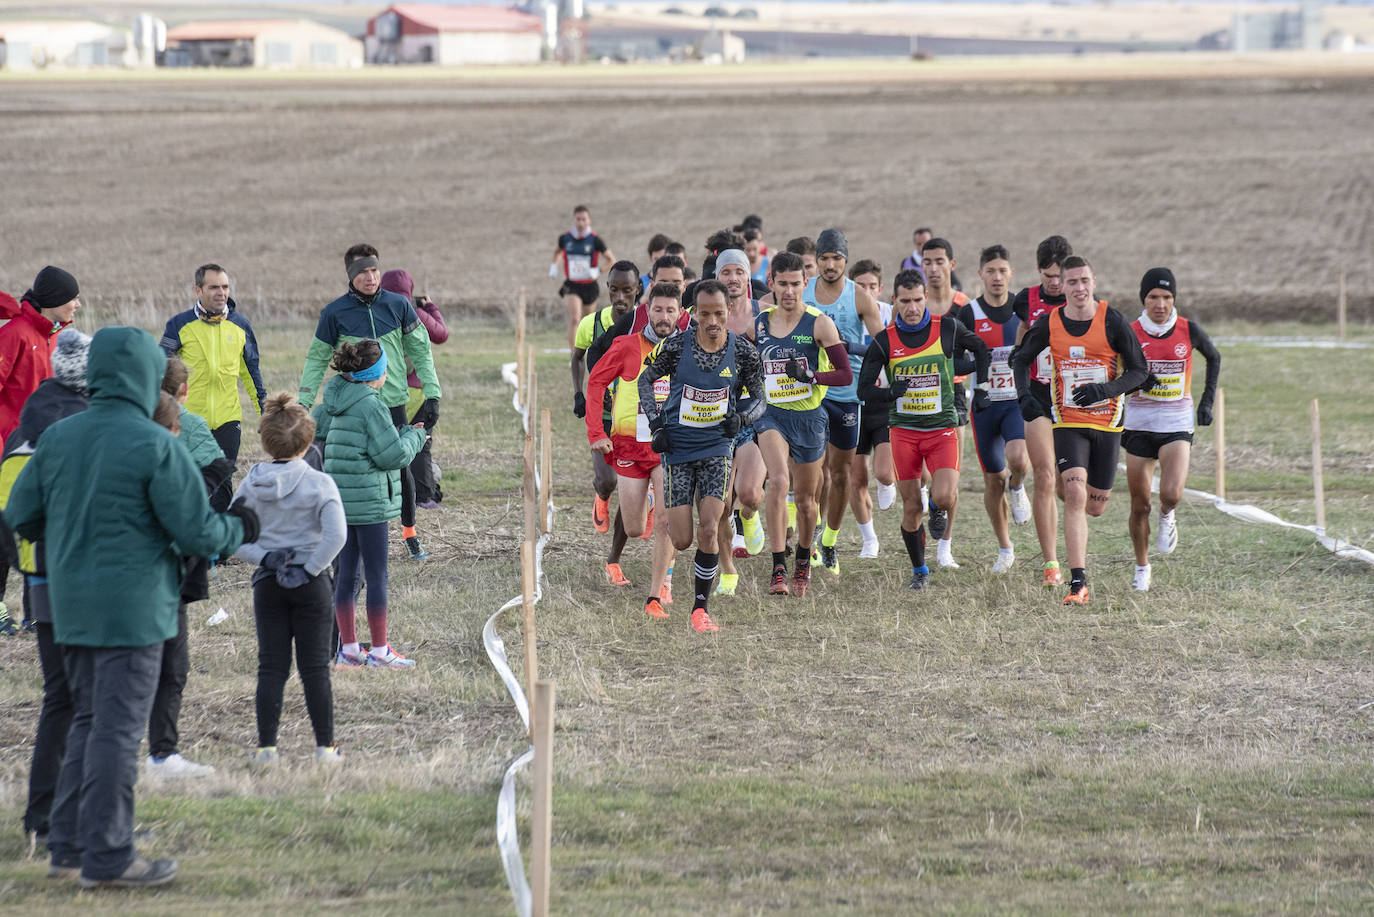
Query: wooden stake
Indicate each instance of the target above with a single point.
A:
(1219, 421)
(531, 494)
(541, 828)
(531, 401)
(528, 576)
(1318, 491)
(545, 468)
(1340, 310)
(520, 351)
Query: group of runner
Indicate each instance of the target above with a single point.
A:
(802, 381)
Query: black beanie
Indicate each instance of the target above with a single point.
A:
(832, 241)
(1158, 278)
(52, 287)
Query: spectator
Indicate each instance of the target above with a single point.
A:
(427, 491)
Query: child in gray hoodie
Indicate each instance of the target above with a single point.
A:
(303, 529)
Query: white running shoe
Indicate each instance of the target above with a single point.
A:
(1141, 583)
(944, 555)
(1020, 505)
(737, 545)
(387, 658)
(328, 754)
(1168, 533)
(174, 765)
(887, 495)
(1004, 561)
(869, 550)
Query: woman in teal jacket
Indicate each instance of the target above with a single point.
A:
(364, 453)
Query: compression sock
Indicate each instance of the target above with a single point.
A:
(803, 556)
(828, 537)
(916, 546)
(704, 576)
(779, 559)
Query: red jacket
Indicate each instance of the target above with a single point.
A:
(26, 346)
(9, 306)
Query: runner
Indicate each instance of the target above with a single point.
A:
(1159, 417)
(919, 237)
(917, 353)
(667, 269)
(657, 248)
(999, 434)
(578, 253)
(943, 298)
(873, 432)
(709, 367)
(855, 314)
(623, 289)
(747, 470)
(1029, 305)
(758, 257)
(799, 347)
(626, 447)
(1094, 360)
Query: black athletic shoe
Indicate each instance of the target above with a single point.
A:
(939, 522)
(829, 560)
(413, 549)
(919, 580)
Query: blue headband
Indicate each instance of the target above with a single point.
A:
(373, 372)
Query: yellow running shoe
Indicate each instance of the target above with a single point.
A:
(728, 583)
(753, 534)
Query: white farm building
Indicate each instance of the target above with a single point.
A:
(414, 33)
(274, 43)
(57, 43)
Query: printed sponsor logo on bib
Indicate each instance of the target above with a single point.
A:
(1170, 385)
(1001, 383)
(1074, 373)
(703, 407)
(779, 387)
(662, 386)
(923, 397)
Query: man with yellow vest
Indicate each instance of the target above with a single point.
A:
(217, 343)
(917, 352)
(1095, 360)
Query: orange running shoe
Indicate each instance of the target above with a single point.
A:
(601, 515)
(801, 580)
(778, 585)
(666, 593)
(1077, 596)
(1052, 575)
(654, 609)
(616, 575)
(702, 623)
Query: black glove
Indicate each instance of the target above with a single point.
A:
(251, 526)
(799, 370)
(1030, 408)
(427, 413)
(660, 442)
(1150, 382)
(979, 400)
(1204, 414)
(730, 426)
(292, 576)
(899, 387)
(1090, 393)
(579, 404)
(275, 560)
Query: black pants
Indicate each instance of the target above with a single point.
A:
(306, 615)
(171, 682)
(50, 741)
(398, 417)
(92, 823)
(228, 436)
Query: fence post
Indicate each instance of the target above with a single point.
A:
(1220, 422)
(520, 351)
(531, 493)
(1318, 490)
(541, 829)
(545, 468)
(528, 584)
(1340, 310)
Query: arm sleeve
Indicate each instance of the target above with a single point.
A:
(965, 341)
(433, 321)
(1021, 306)
(250, 551)
(661, 362)
(316, 362)
(598, 347)
(1203, 345)
(181, 507)
(963, 360)
(388, 448)
(333, 533)
(875, 361)
(1134, 368)
(1037, 339)
(171, 338)
(416, 343)
(750, 367)
(597, 382)
(840, 373)
(249, 370)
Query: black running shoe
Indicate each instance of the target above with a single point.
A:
(939, 522)
(919, 580)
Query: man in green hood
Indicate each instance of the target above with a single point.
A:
(116, 500)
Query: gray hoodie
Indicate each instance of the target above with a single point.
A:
(299, 509)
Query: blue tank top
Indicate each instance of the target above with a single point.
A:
(782, 390)
(698, 400)
(845, 315)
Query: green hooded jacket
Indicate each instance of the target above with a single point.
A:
(363, 450)
(117, 500)
(195, 435)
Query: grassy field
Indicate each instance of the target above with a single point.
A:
(1204, 749)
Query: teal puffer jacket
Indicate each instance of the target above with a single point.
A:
(363, 451)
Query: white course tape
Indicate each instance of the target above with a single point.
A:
(507, 836)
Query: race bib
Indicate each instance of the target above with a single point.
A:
(1072, 374)
(642, 432)
(703, 407)
(1001, 383)
(580, 268)
(1042, 370)
(1170, 385)
(779, 387)
(923, 397)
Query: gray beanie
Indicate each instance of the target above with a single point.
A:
(732, 256)
(832, 240)
(69, 359)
